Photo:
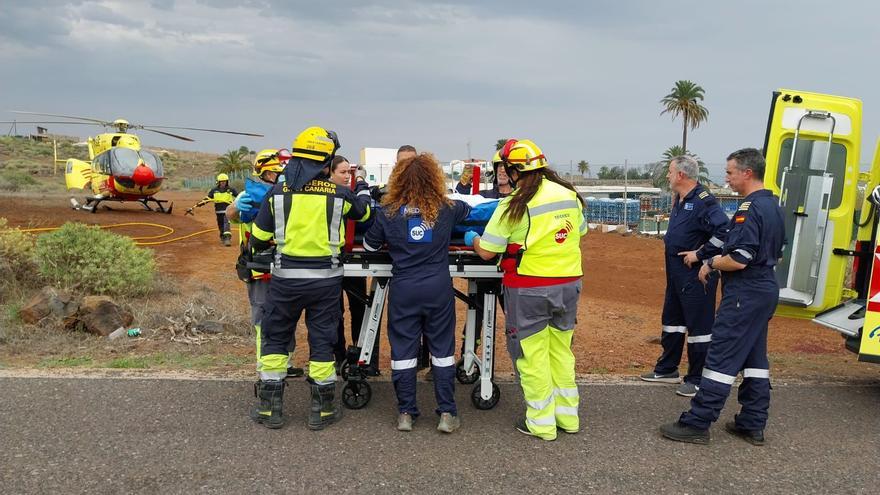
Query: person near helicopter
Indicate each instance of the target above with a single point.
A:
(268, 166)
(222, 195)
(304, 218)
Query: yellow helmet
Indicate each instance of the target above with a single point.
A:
(268, 161)
(496, 160)
(315, 143)
(523, 155)
(222, 177)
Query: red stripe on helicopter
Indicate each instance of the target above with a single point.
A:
(874, 290)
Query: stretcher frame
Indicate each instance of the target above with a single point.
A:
(471, 368)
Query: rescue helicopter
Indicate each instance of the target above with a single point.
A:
(119, 169)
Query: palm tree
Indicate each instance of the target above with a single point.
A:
(684, 100)
(500, 144)
(661, 168)
(231, 161)
(584, 167)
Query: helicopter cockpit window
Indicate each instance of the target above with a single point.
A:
(102, 163)
(153, 161)
(124, 161)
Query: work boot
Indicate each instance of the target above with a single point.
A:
(268, 411)
(661, 377)
(448, 423)
(754, 437)
(323, 412)
(404, 422)
(681, 432)
(294, 372)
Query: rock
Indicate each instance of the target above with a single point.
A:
(48, 302)
(211, 326)
(100, 315)
(654, 339)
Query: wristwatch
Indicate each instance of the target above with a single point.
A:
(709, 262)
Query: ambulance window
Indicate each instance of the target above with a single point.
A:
(809, 160)
(152, 161)
(125, 160)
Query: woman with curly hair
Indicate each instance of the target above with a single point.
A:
(416, 224)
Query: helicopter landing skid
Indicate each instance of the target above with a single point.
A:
(93, 202)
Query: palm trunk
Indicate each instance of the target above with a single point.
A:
(684, 135)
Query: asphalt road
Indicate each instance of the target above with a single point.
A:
(86, 435)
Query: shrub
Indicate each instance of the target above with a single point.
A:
(16, 254)
(14, 180)
(79, 256)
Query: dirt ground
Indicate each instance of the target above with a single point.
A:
(619, 313)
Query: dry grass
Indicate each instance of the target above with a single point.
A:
(163, 344)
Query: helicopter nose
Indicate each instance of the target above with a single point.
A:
(143, 175)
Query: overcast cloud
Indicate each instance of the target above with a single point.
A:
(582, 79)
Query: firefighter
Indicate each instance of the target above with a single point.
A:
(537, 231)
(697, 229)
(416, 224)
(268, 165)
(749, 293)
(305, 218)
(222, 195)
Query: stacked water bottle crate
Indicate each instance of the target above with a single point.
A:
(612, 211)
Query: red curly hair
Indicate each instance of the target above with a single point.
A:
(417, 182)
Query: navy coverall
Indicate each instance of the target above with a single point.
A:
(697, 222)
(420, 299)
(739, 336)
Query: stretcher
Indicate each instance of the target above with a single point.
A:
(482, 277)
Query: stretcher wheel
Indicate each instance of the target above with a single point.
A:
(462, 376)
(484, 405)
(356, 395)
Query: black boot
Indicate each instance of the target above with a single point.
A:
(681, 432)
(268, 411)
(323, 412)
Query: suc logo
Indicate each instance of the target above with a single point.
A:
(562, 234)
(417, 232)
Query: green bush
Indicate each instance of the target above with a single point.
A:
(16, 254)
(14, 180)
(94, 260)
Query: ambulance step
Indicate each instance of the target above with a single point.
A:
(793, 297)
(846, 318)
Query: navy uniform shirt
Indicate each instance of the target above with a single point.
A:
(756, 239)
(415, 247)
(697, 222)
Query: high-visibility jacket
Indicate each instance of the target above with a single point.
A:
(308, 227)
(221, 198)
(543, 248)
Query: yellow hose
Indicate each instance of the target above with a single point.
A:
(168, 232)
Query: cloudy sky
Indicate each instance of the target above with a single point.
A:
(581, 78)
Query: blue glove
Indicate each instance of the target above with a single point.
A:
(469, 237)
(244, 203)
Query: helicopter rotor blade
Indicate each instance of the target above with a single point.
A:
(168, 134)
(200, 129)
(44, 122)
(102, 122)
